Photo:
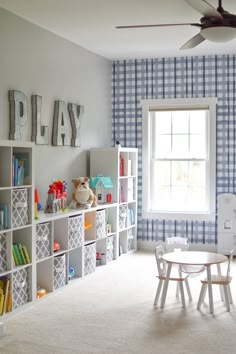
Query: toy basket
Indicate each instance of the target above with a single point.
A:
(19, 207)
(3, 258)
(43, 240)
(20, 291)
(75, 226)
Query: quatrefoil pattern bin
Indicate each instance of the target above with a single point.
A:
(43, 240)
(76, 227)
(3, 253)
(89, 258)
(20, 289)
(19, 207)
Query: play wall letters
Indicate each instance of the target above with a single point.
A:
(63, 118)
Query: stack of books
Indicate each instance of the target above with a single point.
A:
(20, 254)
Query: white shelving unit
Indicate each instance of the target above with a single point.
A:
(226, 223)
(121, 165)
(81, 233)
(16, 223)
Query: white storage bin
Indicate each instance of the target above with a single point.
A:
(76, 231)
(101, 224)
(19, 207)
(3, 252)
(43, 240)
(20, 291)
(59, 271)
(89, 258)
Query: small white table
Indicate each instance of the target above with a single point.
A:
(192, 258)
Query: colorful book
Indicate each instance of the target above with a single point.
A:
(6, 295)
(15, 260)
(26, 254)
(22, 253)
(18, 255)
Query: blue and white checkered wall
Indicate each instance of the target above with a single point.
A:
(181, 77)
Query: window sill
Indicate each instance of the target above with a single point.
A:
(178, 216)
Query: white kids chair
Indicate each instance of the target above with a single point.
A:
(180, 279)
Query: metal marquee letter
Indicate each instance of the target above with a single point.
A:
(60, 134)
(76, 113)
(39, 132)
(18, 113)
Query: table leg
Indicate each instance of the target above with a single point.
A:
(165, 286)
(209, 285)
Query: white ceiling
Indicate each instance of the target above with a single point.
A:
(91, 24)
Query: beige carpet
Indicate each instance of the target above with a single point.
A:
(111, 311)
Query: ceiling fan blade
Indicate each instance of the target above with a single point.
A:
(193, 42)
(204, 8)
(160, 25)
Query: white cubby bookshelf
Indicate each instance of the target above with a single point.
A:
(16, 225)
(88, 238)
(120, 163)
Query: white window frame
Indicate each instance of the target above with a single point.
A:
(148, 104)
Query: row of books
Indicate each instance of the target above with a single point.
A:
(3, 216)
(20, 168)
(5, 295)
(131, 220)
(20, 254)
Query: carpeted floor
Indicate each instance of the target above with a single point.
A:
(111, 311)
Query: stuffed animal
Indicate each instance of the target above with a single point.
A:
(82, 195)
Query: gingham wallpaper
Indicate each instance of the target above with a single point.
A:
(180, 77)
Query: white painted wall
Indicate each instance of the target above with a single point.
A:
(35, 61)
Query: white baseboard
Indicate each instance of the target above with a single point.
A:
(150, 246)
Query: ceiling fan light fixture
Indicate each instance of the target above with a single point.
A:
(219, 34)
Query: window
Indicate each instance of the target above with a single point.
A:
(179, 159)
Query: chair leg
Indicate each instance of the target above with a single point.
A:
(226, 298)
(181, 287)
(177, 289)
(229, 294)
(201, 296)
(188, 289)
(158, 291)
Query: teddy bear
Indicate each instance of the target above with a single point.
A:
(82, 196)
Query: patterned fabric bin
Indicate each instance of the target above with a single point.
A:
(59, 271)
(130, 244)
(101, 224)
(76, 231)
(122, 216)
(19, 207)
(3, 257)
(89, 258)
(110, 248)
(43, 240)
(20, 288)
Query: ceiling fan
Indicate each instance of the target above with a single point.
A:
(216, 25)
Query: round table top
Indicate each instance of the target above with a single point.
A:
(194, 258)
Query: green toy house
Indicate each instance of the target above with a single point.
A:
(102, 188)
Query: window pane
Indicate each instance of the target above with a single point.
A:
(180, 145)
(163, 146)
(197, 146)
(197, 199)
(198, 122)
(161, 173)
(179, 173)
(160, 199)
(179, 198)
(197, 173)
(180, 122)
(163, 122)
